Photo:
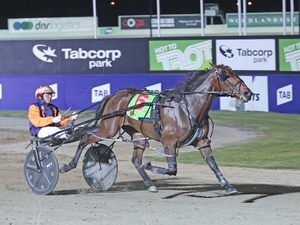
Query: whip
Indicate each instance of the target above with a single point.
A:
(81, 97)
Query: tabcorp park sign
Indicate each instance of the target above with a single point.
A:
(272, 19)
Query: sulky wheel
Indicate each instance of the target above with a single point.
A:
(100, 167)
(41, 181)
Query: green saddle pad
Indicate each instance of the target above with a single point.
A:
(143, 111)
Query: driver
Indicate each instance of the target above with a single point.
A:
(45, 118)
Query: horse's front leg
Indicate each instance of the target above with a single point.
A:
(206, 152)
(137, 159)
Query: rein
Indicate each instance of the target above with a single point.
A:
(218, 93)
(81, 111)
(221, 77)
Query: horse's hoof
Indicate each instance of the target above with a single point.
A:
(231, 191)
(152, 189)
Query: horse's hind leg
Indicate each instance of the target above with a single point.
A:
(207, 155)
(139, 148)
(88, 139)
(67, 167)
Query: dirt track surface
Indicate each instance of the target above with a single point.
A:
(265, 197)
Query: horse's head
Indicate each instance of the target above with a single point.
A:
(230, 84)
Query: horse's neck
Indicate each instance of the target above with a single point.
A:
(199, 104)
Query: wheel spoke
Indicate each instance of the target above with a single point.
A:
(100, 167)
(43, 182)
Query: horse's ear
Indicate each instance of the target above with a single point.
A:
(214, 66)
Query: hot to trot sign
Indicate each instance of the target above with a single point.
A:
(289, 54)
(243, 54)
(180, 55)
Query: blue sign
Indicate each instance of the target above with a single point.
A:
(79, 92)
(284, 96)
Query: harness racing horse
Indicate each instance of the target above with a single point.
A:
(183, 120)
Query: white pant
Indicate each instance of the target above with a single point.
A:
(46, 131)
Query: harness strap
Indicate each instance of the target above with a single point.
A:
(204, 145)
(194, 122)
(197, 134)
(157, 119)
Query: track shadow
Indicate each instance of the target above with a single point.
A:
(193, 190)
(215, 190)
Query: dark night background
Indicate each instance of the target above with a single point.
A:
(108, 14)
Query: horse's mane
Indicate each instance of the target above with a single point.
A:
(131, 90)
(194, 80)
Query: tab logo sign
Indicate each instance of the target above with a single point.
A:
(99, 92)
(154, 88)
(180, 55)
(284, 94)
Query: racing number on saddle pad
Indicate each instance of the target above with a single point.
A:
(143, 111)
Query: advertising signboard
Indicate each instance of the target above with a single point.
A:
(135, 22)
(40, 25)
(74, 57)
(247, 54)
(259, 101)
(109, 31)
(289, 54)
(265, 19)
(277, 94)
(29, 57)
(103, 56)
(283, 94)
(79, 92)
(182, 55)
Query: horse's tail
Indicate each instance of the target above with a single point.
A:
(100, 108)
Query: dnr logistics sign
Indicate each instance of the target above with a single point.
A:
(63, 24)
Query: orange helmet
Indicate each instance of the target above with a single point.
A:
(42, 89)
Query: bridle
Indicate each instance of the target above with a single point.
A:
(222, 76)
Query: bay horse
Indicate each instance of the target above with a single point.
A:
(183, 120)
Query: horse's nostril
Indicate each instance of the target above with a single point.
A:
(248, 93)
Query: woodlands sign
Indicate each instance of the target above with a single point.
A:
(273, 19)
